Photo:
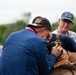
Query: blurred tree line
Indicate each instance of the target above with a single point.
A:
(6, 29)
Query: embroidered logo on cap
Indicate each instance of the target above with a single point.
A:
(38, 21)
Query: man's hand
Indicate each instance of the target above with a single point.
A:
(61, 57)
(71, 65)
(56, 50)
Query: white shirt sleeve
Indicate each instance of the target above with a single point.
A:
(1, 49)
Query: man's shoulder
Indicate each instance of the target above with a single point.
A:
(1, 47)
(72, 32)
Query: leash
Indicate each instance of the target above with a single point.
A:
(72, 71)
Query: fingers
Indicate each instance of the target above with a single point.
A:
(57, 50)
(61, 57)
(60, 50)
(59, 47)
(74, 63)
(70, 65)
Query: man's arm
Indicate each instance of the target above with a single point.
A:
(69, 44)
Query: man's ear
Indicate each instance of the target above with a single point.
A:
(59, 20)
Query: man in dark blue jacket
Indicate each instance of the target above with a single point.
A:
(25, 51)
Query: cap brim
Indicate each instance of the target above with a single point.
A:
(35, 25)
(67, 19)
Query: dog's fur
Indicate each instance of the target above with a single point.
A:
(62, 71)
(68, 56)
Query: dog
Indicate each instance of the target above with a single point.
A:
(68, 56)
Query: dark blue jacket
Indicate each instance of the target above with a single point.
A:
(25, 53)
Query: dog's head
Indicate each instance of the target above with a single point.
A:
(54, 43)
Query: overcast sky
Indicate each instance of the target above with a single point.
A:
(12, 10)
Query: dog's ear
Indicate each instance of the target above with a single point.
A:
(50, 45)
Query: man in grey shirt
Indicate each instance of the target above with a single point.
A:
(65, 23)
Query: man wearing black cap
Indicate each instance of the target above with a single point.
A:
(25, 51)
(65, 23)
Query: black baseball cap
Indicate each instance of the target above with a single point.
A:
(68, 15)
(39, 22)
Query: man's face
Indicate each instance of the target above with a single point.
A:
(45, 34)
(65, 25)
